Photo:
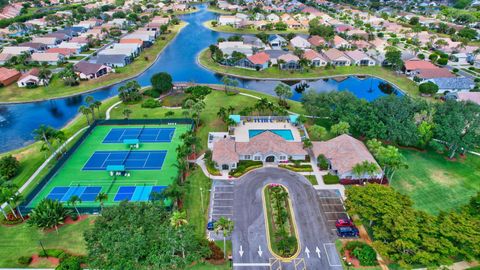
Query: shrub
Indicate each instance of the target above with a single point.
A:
(442, 61)
(24, 260)
(9, 166)
(331, 179)
(69, 263)
(198, 92)
(455, 70)
(169, 113)
(245, 166)
(363, 252)
(322, 162)
(74, 216)
(428, 88)
(216, 252)
(151, 103)
(161, 82)
(151, 93)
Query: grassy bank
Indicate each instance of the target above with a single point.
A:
(56, 88)
(23, 240)
(253, 30)
(401, 81)
(215, 9)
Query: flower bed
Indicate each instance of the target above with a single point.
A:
(280, 222)
(297, 168)
(245, 166)
(360, 254)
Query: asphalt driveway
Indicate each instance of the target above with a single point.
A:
(250, 247)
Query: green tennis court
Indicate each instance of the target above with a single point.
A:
(123, 171)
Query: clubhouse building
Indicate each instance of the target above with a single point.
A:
(268, 139)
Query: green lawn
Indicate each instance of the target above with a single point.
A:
(72, 173)
(194, 196)
(22, 240)
(401, 81)
(435, 183)
(219, 11)
(253, 30)
(56, 88)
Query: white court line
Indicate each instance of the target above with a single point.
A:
(328, 257)
(251, 264)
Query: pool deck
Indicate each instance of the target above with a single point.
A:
(241, 131)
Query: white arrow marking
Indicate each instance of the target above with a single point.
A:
(307, 251)
(241, 251)
(260, 252)
(317, 250)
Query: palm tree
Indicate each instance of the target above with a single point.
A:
(44, 74)
(48, 214)
(226, 226)
(178, 219)
(90, 102)
(101, 197)
(85, 111)
(182, 166)
(15, 199)
(97, 104)
(45, 133)
(73, 202)
(226, 81)
(126, 112)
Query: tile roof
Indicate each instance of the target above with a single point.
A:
(469, 96)
(334, 54)
(7, 73)
(344, 152)
(311, 55)
(268, 142)
(316, 40)
(224, 151)
(454, 83)
(418, 64)
(259, 58)
(435, 73)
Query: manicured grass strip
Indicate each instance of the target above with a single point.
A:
(56, 88)
(312, 179)
(193, 198)
(253, 30)
(436, 184)
(23, 240)
(401, 81)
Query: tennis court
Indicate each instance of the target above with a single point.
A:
(149, 168)
(132, 160)
(151, 135)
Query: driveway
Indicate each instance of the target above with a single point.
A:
(221, 204)
(249, 244)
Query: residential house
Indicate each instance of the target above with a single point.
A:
(316, 41)
(132, 41)
(254, 42)
(340, 43)
(5, 57)
(77, 47)
(17, 50)
(49, 58)
(8, 76)
(50, 42)
(289, 61)
(300, 42)
(274, 55)
(66, 52)
(272, 17)
(449, 85)
(228, 47)
(426, 74)
(277, 42)
(343, 154)
(337, 57)
(34, 47)
(360, 58)
(258, 61)
(413, 67)
(88, 71)
(315, 58)
(31, 79)
(113, 60)
(466, 96)
(228, 20)
(128, 49)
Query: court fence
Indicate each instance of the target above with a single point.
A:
(25, 208)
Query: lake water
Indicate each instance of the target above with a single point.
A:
(17, 121)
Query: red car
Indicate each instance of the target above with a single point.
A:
(344, 223)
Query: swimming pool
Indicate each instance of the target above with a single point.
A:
(284, 133)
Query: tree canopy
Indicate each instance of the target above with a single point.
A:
(140, 236)
(161, 82)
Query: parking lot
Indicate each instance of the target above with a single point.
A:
(332, 205)
(221, 203)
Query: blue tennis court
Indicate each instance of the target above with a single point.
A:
(132, 160)
(137, 193)
(117, 135)
(63, 194)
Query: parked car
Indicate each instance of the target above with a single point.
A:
(350, 231)
(343, 222)
(211, 225)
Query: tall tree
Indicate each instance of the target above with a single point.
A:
(225, 226)
(45, 134)
(162, 82)
(73, 201)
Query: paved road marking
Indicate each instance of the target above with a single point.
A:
(260, 252)
(328, 257)
(241, 251)
(317, 250)
(251, 264)
(308, 252)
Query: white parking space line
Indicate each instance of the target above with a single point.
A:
(251, 264)
(332, 248)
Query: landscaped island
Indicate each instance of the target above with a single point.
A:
(281, 230)
(402, 82)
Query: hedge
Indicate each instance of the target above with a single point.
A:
(331, 179)
(299, 168)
